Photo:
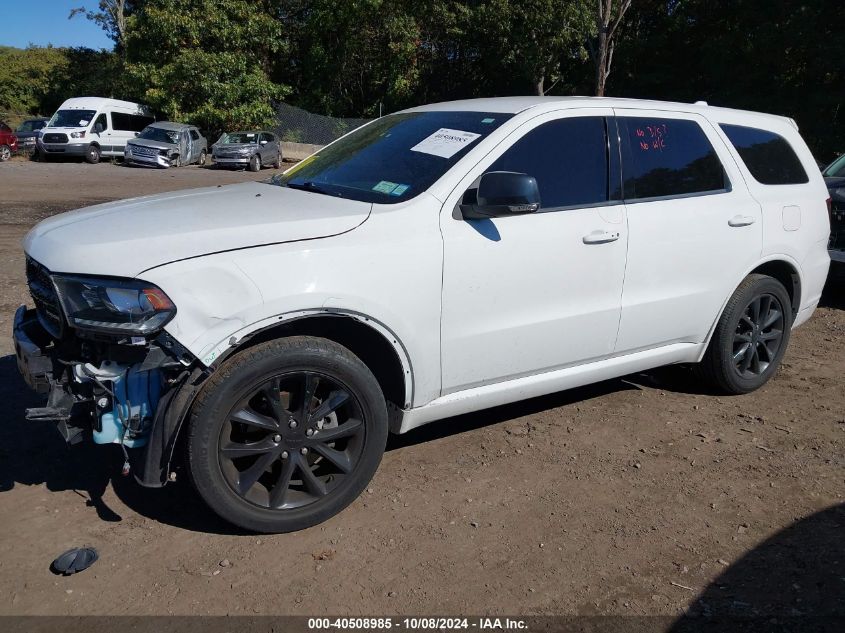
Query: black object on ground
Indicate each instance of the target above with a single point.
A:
(74, 560)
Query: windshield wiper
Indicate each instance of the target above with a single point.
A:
(310, 185)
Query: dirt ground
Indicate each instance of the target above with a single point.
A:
(638, 496)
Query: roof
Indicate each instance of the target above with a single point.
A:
(170, 125)
(101, 102)
(515, 105)
(250, 132)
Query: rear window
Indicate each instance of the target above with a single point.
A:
(668, 157)
(768, 156)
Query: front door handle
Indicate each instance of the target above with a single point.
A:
(741, 220)
(600, 237)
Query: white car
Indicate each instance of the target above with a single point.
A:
(436, 261)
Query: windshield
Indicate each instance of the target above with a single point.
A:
(836, 169)
(72, 118)
(394, 158)
(239, 138)
(154, 133)
(30, 126)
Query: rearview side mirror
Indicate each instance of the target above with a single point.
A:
(501, 194)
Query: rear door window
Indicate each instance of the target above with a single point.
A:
(568, 158)
(768, 156)
(667, 158)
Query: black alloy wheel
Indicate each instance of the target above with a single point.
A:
(758, 336)
(286, 434)
(291, 440)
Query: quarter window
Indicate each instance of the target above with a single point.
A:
(568, 158)
(668, 157)
(130, 122)
(768, 156)
(195, 135)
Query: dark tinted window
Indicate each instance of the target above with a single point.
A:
(195, 135)
(667, 157)
(768, 156)
(129, 122)
(567, 157)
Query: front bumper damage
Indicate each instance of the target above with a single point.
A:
(134, 395)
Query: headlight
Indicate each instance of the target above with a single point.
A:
(77, 134)
(119, 306)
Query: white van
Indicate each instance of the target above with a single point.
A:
(93, 127)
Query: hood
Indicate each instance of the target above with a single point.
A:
(123, 239)
(234, 147)
(148, 142)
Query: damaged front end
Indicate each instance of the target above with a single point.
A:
(96, 348)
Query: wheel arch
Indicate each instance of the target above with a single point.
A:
(779, 266)
(370, 340)
(376, 345)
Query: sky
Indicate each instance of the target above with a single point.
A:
(44, 22)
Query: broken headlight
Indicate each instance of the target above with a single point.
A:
(118, 306)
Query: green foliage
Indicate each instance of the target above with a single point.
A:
(25, 77)
(222, 63)
(205, 61)
(36, 80)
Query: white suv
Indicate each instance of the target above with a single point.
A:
(437, 261)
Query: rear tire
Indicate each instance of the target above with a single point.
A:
(751, 337)
(93, 154)
(278, 162)
(286, 434)
(203, 158)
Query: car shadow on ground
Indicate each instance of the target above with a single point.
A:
(793, 581)
(833, 295)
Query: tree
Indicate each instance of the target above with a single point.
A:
(111, 17)
(206, 61)
(528, 40)
(608, 16)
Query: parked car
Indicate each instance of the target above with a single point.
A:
(834, 177)
(166, 144)
(92, 127)
(8, 142)
(437, 261)
(28, 132)
(251, 150)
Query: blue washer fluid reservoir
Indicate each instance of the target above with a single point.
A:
(136, 395)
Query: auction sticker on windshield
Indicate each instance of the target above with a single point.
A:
(445, 142)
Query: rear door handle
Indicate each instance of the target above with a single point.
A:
(741, 220)
(600, 237)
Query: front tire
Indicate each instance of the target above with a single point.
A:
(92, 155)
(254, 163)
(286, 434)
(750, 338)
(5, 153)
